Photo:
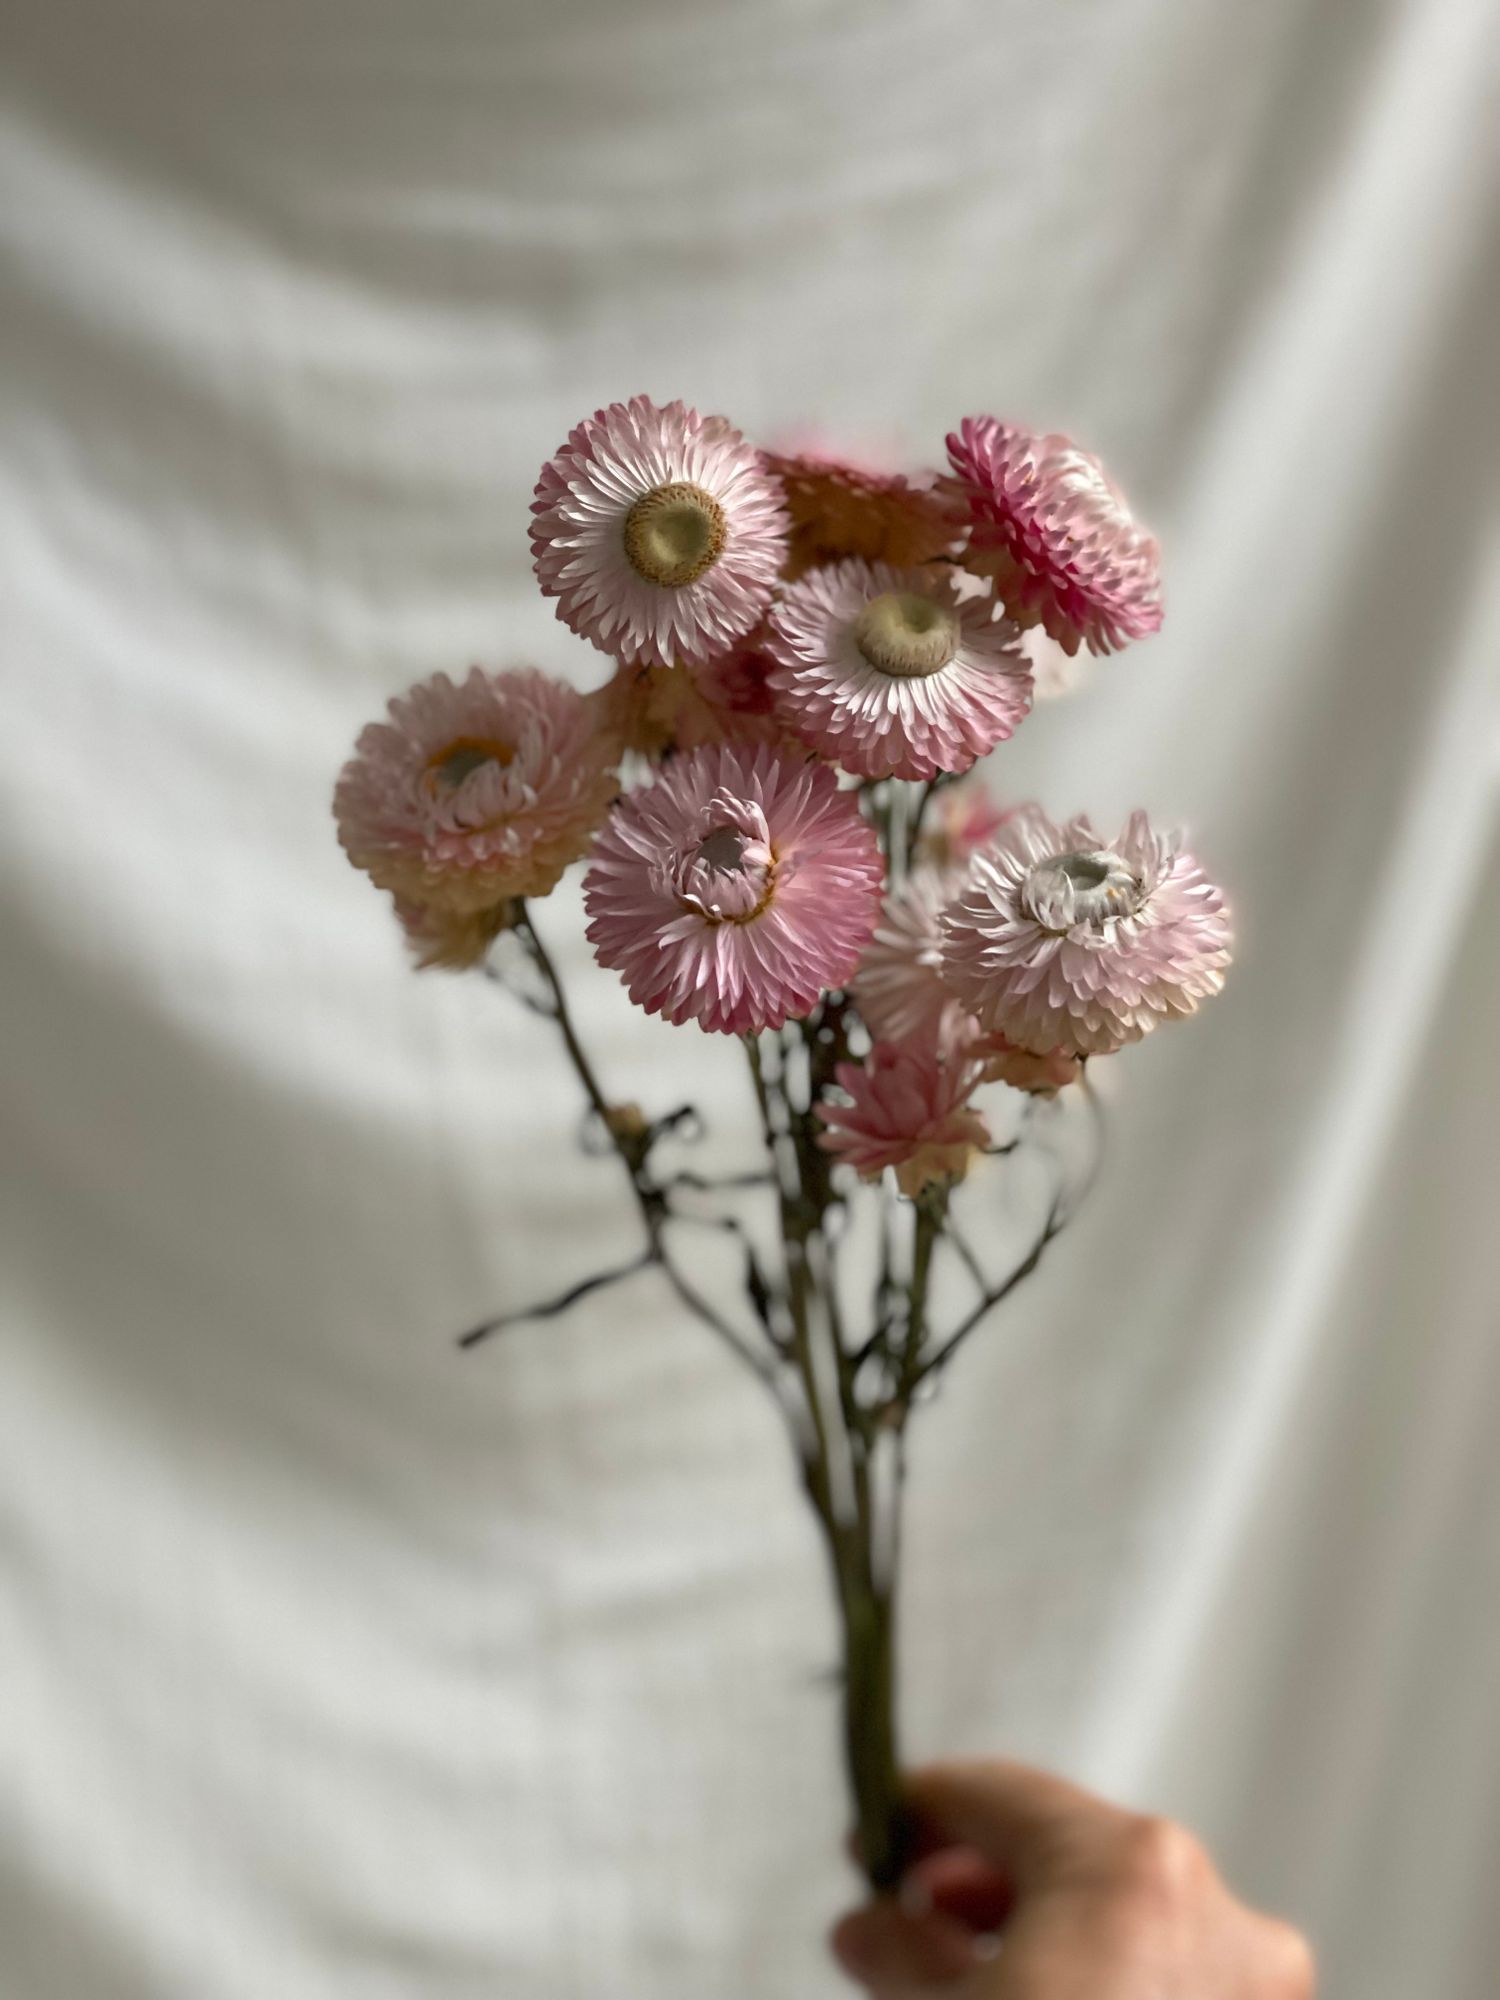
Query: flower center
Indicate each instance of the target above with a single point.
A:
(1082, 887)
(728, 873)
(906, 635)
(723, 849)
(461, 759)
(673, 534)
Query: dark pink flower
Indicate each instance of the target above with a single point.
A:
(1055, 532)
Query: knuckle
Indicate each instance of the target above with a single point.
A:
(1161, 1861)
(1295, 1969)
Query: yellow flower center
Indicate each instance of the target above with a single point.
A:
(673, 534)
(907, 635)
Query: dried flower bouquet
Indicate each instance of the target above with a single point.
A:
(808, 654)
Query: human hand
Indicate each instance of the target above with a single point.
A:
(1028, 1889)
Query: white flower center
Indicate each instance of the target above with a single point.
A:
(1083, 887)
(673, 534)
(907, 635)
(727, 872)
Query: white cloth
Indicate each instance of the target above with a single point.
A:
(334, 1663)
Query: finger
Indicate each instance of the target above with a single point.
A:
(961, 1884)
(894, 1953)
(1020, 1820)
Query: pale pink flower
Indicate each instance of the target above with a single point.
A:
(476, 791)
(452, 943)
(908, 1109)
(659, 532)
(839, 509)
(902, 995)
(899, 987)
(1060, 943)
(1055, 532)
(734, 889)
(959, 821)
(888, 673)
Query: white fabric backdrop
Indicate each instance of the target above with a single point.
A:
(334, 1664)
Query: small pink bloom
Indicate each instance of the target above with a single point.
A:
(734, 889)
(960, 820)
(1062, 944)
(659, 532)
(908, 1109)
(476, 791)
(891, 674)
(1055, 532)
(899, 987)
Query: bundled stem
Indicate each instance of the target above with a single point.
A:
(846, 1401)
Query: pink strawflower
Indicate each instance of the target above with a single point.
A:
(960, 820)
(1062, 944)
(908, 1109)
(659, 532)
(453, 943)
(1055, 532)
(899, 987)
(476, 791)
(890, 674)
(902, 995)
(839, 509)
(734, 889)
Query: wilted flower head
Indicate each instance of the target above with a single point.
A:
(659, 532)
(890, 674)
(440, 939)
(908, 1109)
(1055, 532)
(839, 509)
(476, 791)
(1061, 943)
(734, 889)
(1039, 1076)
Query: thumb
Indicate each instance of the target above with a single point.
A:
(1028, 1824)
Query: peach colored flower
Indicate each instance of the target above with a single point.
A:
(839, 509)
(475, 791)
(440, 939)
